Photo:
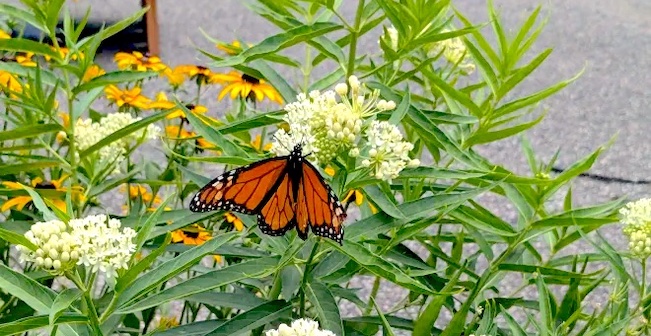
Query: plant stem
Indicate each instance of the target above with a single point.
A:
(374, 290)
(306, 273)
(643, 289)
(90, 306)
(354, 35)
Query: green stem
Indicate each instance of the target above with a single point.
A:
(91, 310)
(643, 289)
(354, 35)
(374, 290)
(306, 273)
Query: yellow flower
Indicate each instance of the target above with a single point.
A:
(161, 102)
(4, 35)
(246, 87)
(357, 197)
(19, 202)
(26, 59)
(193, 235)
(167, 322)
(256, 143)
(130, 97)
(236, 221)
(10, 82)
(203, 144)
(176, 132)
(139, 62)
(199, 73)
(65, 122)
(329, 170)
(92, 72)
(174, 77)
(137, 191)
(63, 52)
(231, 49)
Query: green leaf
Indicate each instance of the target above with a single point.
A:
(255, 121)
(425, 322)
(115, 77)
(22, 15)
(544, 306)
(27, 167)
(484, 66)
(540, 270)
(121, 133)
(383, 201)
(169, 269)
(325, 305)
(145, 229)
(274, 44)
(276, 80)
(240, 300)
(520, 74)
(379, 266)
(486, 136)
(17, 239)
(37, 296)
(63, 302)
(39, 204)
(115, 28)
(228, 147)
(28, 131)
(53, 9)
(47, 76)
(401, 110)
(252, 269)
(533, 98)
(24, 45)
(254, 318)
(25, 324)
(134, 271)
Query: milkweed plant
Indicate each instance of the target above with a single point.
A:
(97, 169)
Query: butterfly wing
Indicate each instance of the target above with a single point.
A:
(277, 215)
(244, 189)
(317, 207)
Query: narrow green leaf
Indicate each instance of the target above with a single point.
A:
(485, 68)
(28, 131)
(239, 300)
(26, 324)
(24, 45)
(63, 302)
(228, 147)
(16, 239)
(27, 167)
(425, 322)
(255, 121)
(171, 268)
(383, 201)
(22, 15)
(40, 204)
(274, 44)
(47, 76)
(486, 137)
(276, 80)
(401, 111)
(451, 93)
(53, 9)
(540, 270)
(380, 267)
(544, 307)
(145, 229)
(37, 296)
(252, 269)
(325, 305)
(520, 74)
(115, 77)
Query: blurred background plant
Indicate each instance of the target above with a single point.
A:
(395, 135)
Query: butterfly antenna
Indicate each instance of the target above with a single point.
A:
(280, 143)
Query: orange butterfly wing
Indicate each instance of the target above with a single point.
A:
(244, 189)
(277, 216)
(317, 207)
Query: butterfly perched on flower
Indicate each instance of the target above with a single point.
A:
(284, 192)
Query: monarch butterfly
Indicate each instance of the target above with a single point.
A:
(284, 192)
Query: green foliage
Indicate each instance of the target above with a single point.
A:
(426, 230)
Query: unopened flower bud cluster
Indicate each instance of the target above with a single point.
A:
(636, 217)
(98, 242)
(333, 122)
(56, 248)
(300, 327)
(455, 52)
(88, 133)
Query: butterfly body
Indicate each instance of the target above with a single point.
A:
(284, 192)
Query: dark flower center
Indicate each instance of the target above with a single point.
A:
(192, 234)
(45, 185)
(250, 79)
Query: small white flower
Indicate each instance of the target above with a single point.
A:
(300, 327)
(341, 89)
(637, 219)
(354, 83)
(388, 153)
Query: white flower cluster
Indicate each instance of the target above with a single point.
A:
(88, 133)
(388, 153)
(301, 327)
(455, 51)
(97, 242)
(56, 248)
(637, 219)
(325, 127)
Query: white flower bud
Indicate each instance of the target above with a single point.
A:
(366, 163)
(56, 265)
(354, 152)
(414, 163)
(341, 89)
(47, 263)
